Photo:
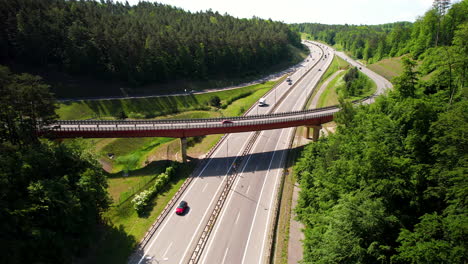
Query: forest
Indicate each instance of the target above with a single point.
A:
(50, 193)
(390, 185)
(141, 44)
(375, 42)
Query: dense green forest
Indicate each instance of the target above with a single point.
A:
(391, 186)
(375, 42)
(51, 195)
(145, 43)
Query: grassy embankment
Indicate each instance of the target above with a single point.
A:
(388, 68)
(143, 158)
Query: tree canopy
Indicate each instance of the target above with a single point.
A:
(52, 194)
(148, 42)
(375, 42)
(390, 185)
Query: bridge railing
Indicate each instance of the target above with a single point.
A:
(127, 126)
(167, 124)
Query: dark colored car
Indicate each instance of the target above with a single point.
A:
(181, 208)
(226, 122)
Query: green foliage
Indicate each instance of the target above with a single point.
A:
(375, 42)
(50, 192)
(405, 84)
(141, 200)
(148, 42)
(390, 185)
(215, 101)
(356, 84)
(25, 100)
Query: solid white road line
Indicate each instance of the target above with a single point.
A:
(184, 195)
(271, 206)
(229, 199)
(225, 254)
(248, 188)
(259, 199)
(212, 200)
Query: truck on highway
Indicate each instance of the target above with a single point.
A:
(262, 102)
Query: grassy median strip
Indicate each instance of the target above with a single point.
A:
(329, 96)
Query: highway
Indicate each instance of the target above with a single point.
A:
(177, 236)
(242, 232)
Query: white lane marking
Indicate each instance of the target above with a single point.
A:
(248, 188)
(225, 254)
(259, 198)
(229, 199)
(271, 206)
(212, 200)
(165, 252)
(204, 187)
(184, 195)
(237, 218)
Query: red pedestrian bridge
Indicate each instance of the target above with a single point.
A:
(181, 128)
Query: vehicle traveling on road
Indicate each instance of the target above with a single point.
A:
(181, 208)
(262, 102)
(226, 122)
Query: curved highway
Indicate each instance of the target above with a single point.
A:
(242, 231)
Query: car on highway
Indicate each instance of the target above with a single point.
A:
(226, 122)
(320, 70)
(181, 208)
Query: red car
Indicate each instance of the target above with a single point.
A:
(181, 208)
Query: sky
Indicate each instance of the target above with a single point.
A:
(369, 12)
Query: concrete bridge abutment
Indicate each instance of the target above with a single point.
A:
(315, 132)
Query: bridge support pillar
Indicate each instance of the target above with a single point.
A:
(183, 148)
(315, 133)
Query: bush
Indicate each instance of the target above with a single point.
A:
(215, 101)
(141, 200)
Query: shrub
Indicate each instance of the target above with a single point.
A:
(140, 201)
(215, 101)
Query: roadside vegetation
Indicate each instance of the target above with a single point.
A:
(50, 192)
(390, 185)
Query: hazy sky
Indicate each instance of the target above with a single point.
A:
(317, 11)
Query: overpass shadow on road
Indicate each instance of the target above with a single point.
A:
(248, 163)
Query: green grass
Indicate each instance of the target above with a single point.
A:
(117, 243)
(329, 96)
(149, 107)
(336, 65)
(388, 68)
